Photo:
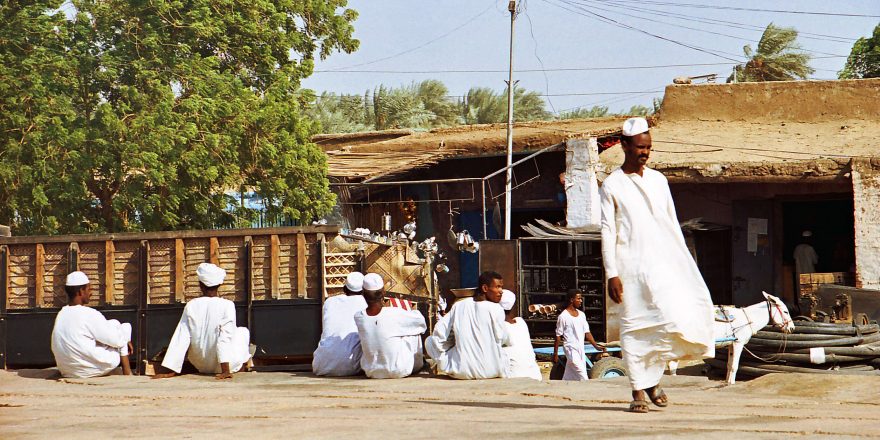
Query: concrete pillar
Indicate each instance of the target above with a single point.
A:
(581, 186)
(866, 198)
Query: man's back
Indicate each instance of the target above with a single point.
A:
(84, 343)
(391, 342)
(339, 351)
(805, 258)
(207, 319)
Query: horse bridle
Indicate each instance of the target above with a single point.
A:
(770, 305)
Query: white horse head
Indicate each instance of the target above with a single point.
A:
(779, 316)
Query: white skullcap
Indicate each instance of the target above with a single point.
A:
(77, 279)
(634, 126)
(373, 281)
(210, 274)
(507, 299)
(807, 234)
(354, 282)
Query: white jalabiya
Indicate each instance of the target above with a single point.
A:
(467, 343)
(805, 259)
(86, 344)
(572, 329)
(391, 342)
(666, 313)
(339, 351)
(207, 336)
(520, 352)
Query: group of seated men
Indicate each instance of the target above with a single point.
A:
(85, 344)
(474, 339)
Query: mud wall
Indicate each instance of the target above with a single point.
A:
(866, 192)
(796, 101)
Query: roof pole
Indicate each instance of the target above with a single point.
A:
(510, 85)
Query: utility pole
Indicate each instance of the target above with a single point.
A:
(508, 189)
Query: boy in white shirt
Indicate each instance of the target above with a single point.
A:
(84, 343)
(391, 337)
(520, 351)
(572, 328)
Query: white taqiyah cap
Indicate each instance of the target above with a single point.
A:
(210, 274)
(77, 279)
(634, 126)
(373, 281)
(354, 282)
(807, 234)
(507, 299)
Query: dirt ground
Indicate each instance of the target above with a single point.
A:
(35, 404)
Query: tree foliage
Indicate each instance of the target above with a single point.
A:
(778, 58)
(139, 115)
(864, 59)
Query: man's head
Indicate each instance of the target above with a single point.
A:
(491, 285)
(636, 141)
(575, 298)
(354, 284)
(77, 288)
(374, 288)
(807, 236)
(211, 277)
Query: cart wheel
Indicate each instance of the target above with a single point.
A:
(608, 367)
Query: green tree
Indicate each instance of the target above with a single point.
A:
(596, 111)
(778, 57)
(151, 115)
(864, 59)
(483, 106)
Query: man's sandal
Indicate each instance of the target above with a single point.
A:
(638, 406)
(658, 396)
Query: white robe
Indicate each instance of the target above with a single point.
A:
(520, 352)
(85, 344)
(391, 342)
(666, 312)
(467, 343)
(207, 336)
(805, 260)
(339, 351)
(572, 330)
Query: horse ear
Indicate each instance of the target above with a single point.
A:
(766, 295)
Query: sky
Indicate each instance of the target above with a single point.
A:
(398, 37)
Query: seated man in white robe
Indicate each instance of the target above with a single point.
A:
(467, 343)
(391, 337)
(84, 343)
(339, 351)
(206, 334)
(520, 351)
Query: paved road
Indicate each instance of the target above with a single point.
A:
(298, 405)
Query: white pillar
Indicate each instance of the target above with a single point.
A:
(581, 186)
(866, 198)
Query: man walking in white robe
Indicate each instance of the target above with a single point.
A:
(391, 337)
(84, 343)
(339, 351)
(467, 343)
(666, 308)
(206, 334)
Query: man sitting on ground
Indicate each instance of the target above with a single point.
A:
(390, 336)
(206, 334)
(520, 351)
(84, 343)
(467, 342)
(339, 352)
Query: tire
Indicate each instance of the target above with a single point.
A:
(608, 367)
(861, 319)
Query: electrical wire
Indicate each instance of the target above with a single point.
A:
(734, 8)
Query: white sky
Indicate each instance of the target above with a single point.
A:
(474, 35)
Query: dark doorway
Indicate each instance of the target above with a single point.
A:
(831, 223)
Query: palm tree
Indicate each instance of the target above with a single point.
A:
(778, 58)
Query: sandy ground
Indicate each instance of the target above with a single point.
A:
(34, 404)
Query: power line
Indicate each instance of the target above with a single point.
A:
(604, 19)
(733, 8)
(543, 95)
(730, 24)
(450, 32)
